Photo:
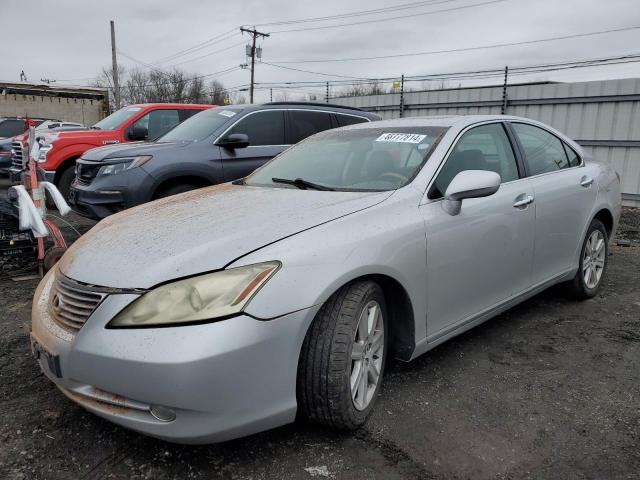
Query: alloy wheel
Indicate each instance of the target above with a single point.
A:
(367, 355)
(593, 259)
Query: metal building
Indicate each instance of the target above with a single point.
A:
(602, 116)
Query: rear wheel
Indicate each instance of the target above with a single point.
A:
(175, 189)
(593, 262)
(343, 357)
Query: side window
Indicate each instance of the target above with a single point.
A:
(543, 151)
(486, 147)
(158, 122)
(574, 158)
(305, 124)
(184, 114)
(344, 120)
(263, 128)
(11, 128)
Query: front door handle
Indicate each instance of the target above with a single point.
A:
(523, 200)
(586, 181)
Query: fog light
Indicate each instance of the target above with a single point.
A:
(164, 414)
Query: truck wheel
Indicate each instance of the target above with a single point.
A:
(175, 189)
(65, 180)
(52, 256)
(593, 262)
(343, 357)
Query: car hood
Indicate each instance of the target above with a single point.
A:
(200, 231)
(128, 150)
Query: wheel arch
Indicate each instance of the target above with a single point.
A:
(606, 217)
(401, 321)
(195, 180)
(68, 162)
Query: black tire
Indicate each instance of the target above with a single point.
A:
(51, 257)
(175, 189)
(324, 370)
(578, 287)
(65, 180)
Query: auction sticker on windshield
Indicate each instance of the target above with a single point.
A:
(227, 113)
(401, 137)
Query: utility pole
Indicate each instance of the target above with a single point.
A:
(271, 94)
(114, 66)
(503, 110)
(254, 34)
(402, 96)
(326, 96)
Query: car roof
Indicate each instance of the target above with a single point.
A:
(171, 105)
(436, 121)
(327, 107)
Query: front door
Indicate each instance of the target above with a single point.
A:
(266, 132)
(482, 256)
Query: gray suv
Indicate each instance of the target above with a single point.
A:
(215, 146)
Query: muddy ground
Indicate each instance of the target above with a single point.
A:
(550, 389)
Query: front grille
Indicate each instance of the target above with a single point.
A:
(71, 303)
(16, 150)
(86, 171)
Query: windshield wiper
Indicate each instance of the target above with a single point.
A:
(302, 184)
(95, 128)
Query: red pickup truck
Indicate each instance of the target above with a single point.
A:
(60, 150)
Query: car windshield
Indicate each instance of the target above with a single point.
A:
(114, 120)
(371, 159)
(200, 126)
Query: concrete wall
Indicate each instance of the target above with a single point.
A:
(603, 116)
(86, 106)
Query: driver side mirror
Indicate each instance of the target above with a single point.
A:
(235, 140)
(469, 184)
(138, 132)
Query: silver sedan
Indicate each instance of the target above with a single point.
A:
(226, 311)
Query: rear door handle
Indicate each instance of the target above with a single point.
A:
(523, 200)
(586, 181)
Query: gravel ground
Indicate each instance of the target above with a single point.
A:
(550, 389)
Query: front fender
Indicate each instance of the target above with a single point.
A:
(387, 239)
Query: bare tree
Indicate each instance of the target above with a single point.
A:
(141, 86)
(217, 93)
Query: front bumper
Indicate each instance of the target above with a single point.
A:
(95, 204)
(222, 380)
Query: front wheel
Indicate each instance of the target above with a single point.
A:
(343, 357)
(593, 262)
(65, 180)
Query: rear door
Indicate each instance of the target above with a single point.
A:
(304, 123)
(564, 196)
(266, 132)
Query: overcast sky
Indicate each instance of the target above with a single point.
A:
(68, 40)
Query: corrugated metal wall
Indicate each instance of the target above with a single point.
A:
(603, 116)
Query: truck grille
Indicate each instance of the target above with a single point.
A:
(86, 171)
(16, 151)
(71, 303)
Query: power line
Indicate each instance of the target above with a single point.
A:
(208, 54)
(387, 19)
(404, 6)
(315, 73)
(464, 49)
(211, 41)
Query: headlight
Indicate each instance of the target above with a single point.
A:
(42, 154)
(202, 298)
(121, 164)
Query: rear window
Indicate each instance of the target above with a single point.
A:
(344, 120)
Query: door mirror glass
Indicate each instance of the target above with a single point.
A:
(235, 140)
(469, 184)
(138, 132)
